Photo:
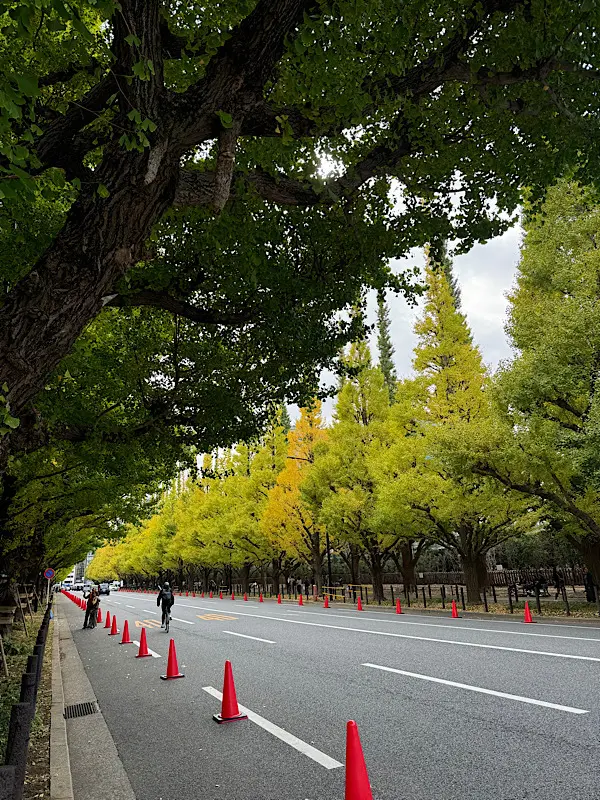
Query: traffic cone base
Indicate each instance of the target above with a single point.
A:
(172, 666)
(218, 718)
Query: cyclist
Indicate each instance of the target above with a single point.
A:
(165, 598)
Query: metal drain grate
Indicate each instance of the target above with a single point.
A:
(80, 710)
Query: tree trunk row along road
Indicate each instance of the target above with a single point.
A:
(445, 708)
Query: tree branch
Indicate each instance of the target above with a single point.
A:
(205, 316)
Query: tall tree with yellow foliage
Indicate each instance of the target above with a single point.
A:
(287, 519)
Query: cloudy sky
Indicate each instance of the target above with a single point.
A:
(485, 274)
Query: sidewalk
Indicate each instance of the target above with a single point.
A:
(84, 762)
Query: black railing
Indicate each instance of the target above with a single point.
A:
(12, 775)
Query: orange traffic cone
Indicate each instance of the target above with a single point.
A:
(300, 600)
(326, 603)
(113, 630)
(202, 595)
(357, 779)
(99, 617)
(186, 594)
(528, 617)
(107, 623)
(245, 597)
(193, 594)
(143, 649)
(398, 607)
(454, 610)
(210, 595)
(232, 596)
(279, 599)
(359, 605)
(220, 595)
(229, 706)
(172, 666)
(260, 598)
(125, 638)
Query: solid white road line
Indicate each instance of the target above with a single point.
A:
(529, 700)
(303, 747)
(418, 638)
(245, 636)
(152, 653)
(187, 622)
(447, 627)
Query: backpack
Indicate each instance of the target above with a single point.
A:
(167, 596)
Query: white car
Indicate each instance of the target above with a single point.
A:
(115, 586)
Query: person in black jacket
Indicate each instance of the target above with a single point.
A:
(165, 598)
(590, 587)
(91, 609)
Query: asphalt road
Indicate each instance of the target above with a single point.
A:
(422, 738)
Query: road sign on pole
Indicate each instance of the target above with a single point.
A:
(48, 574)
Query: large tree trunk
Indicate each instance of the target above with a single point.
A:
(376, 559)
(589, 547)
(276, 569)
(406, 561)
(475, 572)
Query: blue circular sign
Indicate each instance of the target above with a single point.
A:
(49, 573)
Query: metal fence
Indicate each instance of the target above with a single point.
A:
(12, 775)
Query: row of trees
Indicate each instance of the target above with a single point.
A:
(175, 262)
(449, 458)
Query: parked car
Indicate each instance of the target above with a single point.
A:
(104, 588)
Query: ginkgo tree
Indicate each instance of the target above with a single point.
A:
(288, 520)
(467, 514)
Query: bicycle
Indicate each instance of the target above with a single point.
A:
(166, 618)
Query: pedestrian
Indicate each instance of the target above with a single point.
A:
(91, 609)
(559, 582)
(589, 585)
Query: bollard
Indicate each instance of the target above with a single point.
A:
(408, 599)
(443, 595)
(392, 593)
(494, 593)
(429, 589)
(537, 599)
(485, 603)
(7, 783)
(38, 651)
(424, 600)
(516, 594)
(28, 687)
(416, 591)
(18, 743)
(510, 605)
(462, 598)
(456, 590)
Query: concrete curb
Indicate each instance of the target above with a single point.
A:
(61, 786)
